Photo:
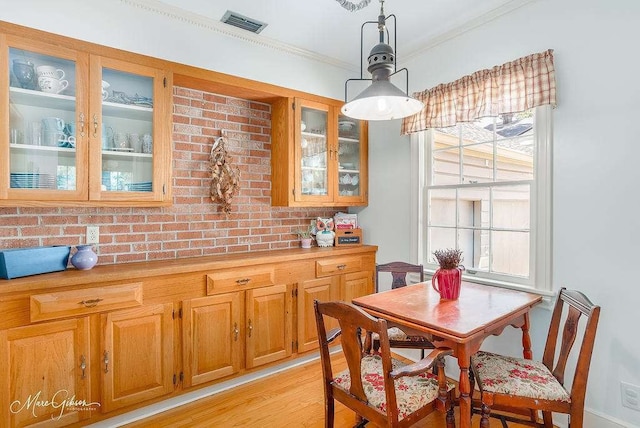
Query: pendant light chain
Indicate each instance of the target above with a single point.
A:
(352, 7)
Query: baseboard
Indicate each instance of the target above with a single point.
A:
(594, 419)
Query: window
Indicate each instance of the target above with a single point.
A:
(487, 191)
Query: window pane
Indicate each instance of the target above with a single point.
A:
(440, 237)
(446, 166)
(510, 253)
(473, 207)
(475, 248)
(477, 163)
(442, 207)
(511, 207)
(515, 158)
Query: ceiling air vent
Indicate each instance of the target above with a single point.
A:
(241, 21)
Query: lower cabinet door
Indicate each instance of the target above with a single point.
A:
(137, 355)
(268, 324)
(323, 290)
(44, 374)
(212, 339)
(357, 284)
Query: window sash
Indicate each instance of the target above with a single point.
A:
(539, 207)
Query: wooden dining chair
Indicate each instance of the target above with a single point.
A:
(525, 386)
(399, 338)
(378, 388)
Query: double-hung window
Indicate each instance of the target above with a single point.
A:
(487, 192)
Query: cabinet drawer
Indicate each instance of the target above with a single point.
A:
(85, 301)
(249, 277)
(338, 265)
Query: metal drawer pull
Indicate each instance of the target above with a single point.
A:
(236, 332)
(341, 266)
(106, 362)
(243, 281)
(83, 365)
(90, 303)
(250, 328)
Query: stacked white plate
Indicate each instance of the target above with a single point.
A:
(143, 186)
(31, 180)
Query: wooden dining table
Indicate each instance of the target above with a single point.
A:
(461, 324)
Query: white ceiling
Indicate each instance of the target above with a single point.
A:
(325, 29)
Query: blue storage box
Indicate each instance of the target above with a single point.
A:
(18, 262)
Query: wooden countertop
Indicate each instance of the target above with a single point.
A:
(135, 270)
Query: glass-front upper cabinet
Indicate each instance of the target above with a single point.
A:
(44, 124)
(314, 154)
(81, 128)
(123, 131)
(351, 162)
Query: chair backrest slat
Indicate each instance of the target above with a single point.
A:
(577, 305)
(399, 272)
(352, 322)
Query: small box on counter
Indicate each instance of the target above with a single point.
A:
(345, 221)
(348, 237)
(19, 262)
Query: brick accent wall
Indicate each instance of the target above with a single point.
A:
(193, 225)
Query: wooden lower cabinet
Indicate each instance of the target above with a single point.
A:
(338, 287)
(40, 363)
(137, 355)
(218, 330)
(356, 284)
(268, 324)
(114, 340)
(212, 343)
(323, 290)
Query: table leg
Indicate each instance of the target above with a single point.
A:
(526, 339)
(465, 392)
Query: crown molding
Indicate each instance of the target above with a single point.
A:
(219, 27)
(468, 26)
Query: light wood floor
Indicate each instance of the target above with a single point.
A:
(293, 398)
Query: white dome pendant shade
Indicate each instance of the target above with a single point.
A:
(382, 100)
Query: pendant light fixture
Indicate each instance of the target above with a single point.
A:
(382, 100)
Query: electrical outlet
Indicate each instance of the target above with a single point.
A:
(630, 395)
(93, 235)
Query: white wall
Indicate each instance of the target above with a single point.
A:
(595, 215)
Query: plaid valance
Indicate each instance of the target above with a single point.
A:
(509, 88)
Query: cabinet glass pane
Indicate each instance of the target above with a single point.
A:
(348, 156)
(127, 132)
(313, 143)
(42, 113)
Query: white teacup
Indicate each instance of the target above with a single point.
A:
(52, 85)
(50, 71)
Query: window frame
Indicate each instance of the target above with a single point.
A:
(540, 260)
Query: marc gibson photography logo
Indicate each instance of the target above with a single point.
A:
(61, 401)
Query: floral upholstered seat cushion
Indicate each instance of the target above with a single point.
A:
(396, 334)
(412, 392)
(517, 376)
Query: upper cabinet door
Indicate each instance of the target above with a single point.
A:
(128, 131)
(314, 152)
(81, 129)
(318, 158)
(352, 161)
(44, 148)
